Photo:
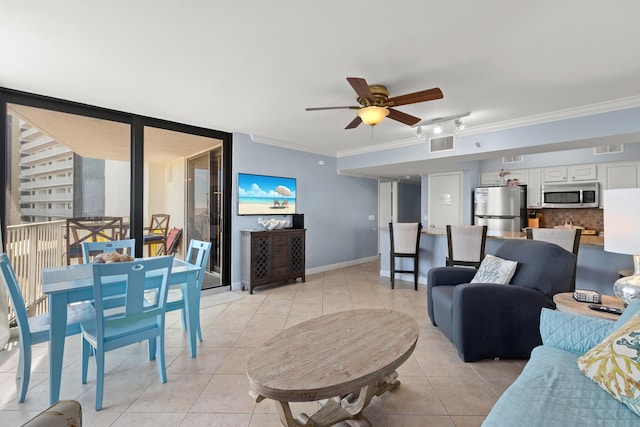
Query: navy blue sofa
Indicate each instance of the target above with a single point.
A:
(489, 320)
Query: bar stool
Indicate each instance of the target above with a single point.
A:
(466, 245)
(405, 243)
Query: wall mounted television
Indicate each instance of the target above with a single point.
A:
(266, 195)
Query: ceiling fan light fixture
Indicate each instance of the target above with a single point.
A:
(373, 115)
(459, 124)
(438, 129)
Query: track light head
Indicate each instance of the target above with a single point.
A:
(459, 124)
(438, 129)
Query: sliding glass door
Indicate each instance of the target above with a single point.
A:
(62, 161)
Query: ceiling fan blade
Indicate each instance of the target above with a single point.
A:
(361, 87)
(354, 123)
(401, 117)
(412, 98)
(333, 108)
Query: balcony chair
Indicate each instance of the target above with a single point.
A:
(466, 245)
(489, 320)
(156, 234)
(133, 321)
(98, 229)
(35, 329)
(566, 238)
(405, 243)
(174, 238)
(91, 249)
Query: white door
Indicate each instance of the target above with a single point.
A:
(445, 206)
(387, 203)
(387, 206)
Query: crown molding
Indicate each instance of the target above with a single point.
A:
(282, 144)
(569, 113)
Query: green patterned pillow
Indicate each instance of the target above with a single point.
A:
(495, 270)
(614, 364)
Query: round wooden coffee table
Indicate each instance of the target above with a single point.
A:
(347, 358)
(565, 302)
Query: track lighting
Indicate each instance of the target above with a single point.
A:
(419, 132)
(455, 118)
(438, 129)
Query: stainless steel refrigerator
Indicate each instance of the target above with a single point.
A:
(500, 208)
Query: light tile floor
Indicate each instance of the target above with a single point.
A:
(438, 389)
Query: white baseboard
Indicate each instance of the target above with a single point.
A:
(329, 267)
(237, 286)
(422, 280)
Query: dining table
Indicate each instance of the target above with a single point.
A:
(73, 283)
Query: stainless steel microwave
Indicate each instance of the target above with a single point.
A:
(571, 195)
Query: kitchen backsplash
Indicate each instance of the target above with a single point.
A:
(589, 218)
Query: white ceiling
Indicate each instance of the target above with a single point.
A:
(253, 66)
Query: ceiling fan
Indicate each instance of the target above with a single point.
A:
(375, 103)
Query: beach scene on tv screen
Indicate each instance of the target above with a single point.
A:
(266, 195)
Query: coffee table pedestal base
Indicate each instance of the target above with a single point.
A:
(344, 408)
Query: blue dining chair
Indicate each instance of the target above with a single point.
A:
(133, 321)
(91, 249)
(197, 254)
(35, 329)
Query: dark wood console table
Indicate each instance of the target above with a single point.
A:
(272, 256)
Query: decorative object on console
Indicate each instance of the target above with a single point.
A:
(274, 224)
(622, 235)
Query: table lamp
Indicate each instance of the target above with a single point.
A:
(622, 235)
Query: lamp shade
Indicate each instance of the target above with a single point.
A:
(622, 221)
(373, 115)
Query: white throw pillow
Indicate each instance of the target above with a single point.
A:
(495, 270)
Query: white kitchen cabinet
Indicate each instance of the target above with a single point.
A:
(534, 188)
(493, 178)
(489, 178)
(555, 174)
(583, 173)
(521, 175)
(626, 175)
(573, 173)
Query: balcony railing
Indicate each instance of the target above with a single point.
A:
(32, 247)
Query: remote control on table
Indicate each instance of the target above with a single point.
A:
(605, 308)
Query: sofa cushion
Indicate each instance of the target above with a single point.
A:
(495, 270)
(572, 332)
(551, 391)
(614, 364)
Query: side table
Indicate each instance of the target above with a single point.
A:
(566, 303)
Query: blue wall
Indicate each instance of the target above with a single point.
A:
(336, 208)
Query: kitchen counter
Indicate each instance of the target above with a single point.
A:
(597, 269)
(584, 240)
